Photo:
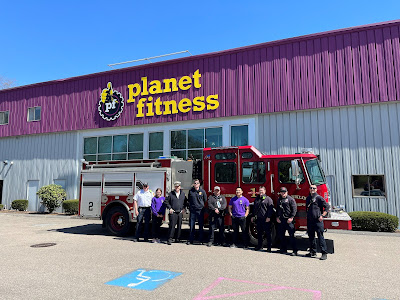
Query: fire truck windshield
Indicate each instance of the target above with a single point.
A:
(317, 177)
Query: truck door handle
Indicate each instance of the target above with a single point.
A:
(272, 183)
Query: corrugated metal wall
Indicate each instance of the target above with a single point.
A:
(353, 140)
(44, 157)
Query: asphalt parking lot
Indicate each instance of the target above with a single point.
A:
(85, 259)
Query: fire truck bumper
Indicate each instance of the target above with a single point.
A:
(338, 220)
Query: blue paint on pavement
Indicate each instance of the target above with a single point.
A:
(143, 279)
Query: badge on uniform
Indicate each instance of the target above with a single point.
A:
(199, 193)
(241, 202)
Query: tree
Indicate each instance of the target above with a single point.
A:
(52, 196)
(6, 83)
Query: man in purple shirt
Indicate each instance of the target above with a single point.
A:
(239, 210)
(157, 214)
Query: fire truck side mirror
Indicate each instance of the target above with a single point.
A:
(295, 172)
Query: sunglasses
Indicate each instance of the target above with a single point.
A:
(311, 188)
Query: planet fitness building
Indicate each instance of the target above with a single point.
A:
(335, 92)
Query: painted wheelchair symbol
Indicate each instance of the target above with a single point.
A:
(150, 276)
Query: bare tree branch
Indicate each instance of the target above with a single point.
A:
(6, 83)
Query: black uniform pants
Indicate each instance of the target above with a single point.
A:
(262, 227)
(199, 216)
(236, 223)
(282, 227)
(156, 224)
(175, 219)
(216, 221)
(144, 213)
(312, 228)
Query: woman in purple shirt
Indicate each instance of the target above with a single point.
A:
(158, 210)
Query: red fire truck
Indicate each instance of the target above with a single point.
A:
(107, 188)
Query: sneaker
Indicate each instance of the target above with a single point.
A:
(135, 240)
(146, 240)
(283, 251)
(233, 246)
(158, 240)
(257, 248)
(169, 242)
(189, 243)
(269, 250)
(245, 247)
(324, 256)
(311, 254)
(154, 240)
(294, 253)
(209, 244)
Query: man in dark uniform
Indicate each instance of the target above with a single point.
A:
(316, 208)
(197, 199)
(286, 210)
(263, 210)
(217, 206)
(175, 204)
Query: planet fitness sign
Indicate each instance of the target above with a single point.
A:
(147, 96)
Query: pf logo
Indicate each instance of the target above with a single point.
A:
(111, 103)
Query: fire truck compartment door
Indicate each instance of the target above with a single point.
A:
(91, 195)
(154, 179)
(118, 183)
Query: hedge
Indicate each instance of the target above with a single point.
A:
(20, 205)
(71, 206)
(373, 221)
(1, 206)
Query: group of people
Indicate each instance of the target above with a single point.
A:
(153, 206)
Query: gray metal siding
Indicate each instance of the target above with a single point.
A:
(43, 157)
(351, 140)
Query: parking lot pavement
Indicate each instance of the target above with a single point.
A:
(85, 258)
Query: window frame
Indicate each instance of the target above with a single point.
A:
(290, 182)
(369, 196)
(6, 113)
(34, 114)
(231, 136)
(150, 152)
(258, 163)
(222, 163)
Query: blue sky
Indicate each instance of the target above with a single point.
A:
(49, 40)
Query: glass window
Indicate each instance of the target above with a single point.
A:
(196, 138)
(214, 137)
(179, 153)
(156, 154)
(105, 144)
(4, 117)
(101, 157)
(285, 172)
(228, 155)
(138, 155)
(90, 157)
(253, 172)
(119, 156)
(156, 141)
(225, 172)
(34, 113)
(135, 142)
(120, 143)
(90, 145)
(247, 155)
(315, 172)
(178, 139)
(369, 185)
(239, 135)
(195, 154)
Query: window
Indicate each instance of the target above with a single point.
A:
(368, 186)
(317, 177)
(117, 147)
(156, 144)
(228, 155)
(285, 172)
(239, 135)
(225, 172)
(4, 117)
(190, 143)
(253, 172)
(34, 113)
(247, 155)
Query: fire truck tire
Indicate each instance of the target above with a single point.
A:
(117, 221)
(253, 237)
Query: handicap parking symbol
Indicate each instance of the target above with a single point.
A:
(143, 279)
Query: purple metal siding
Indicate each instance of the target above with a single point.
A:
(345, 67)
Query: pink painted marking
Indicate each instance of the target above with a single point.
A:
(203, 293)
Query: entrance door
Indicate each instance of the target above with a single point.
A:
(33, 200)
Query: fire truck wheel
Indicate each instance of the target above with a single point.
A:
(118, 221)
(253, 237)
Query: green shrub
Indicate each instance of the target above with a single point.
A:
(20, 205)
(1, 206)
(71, 206)
(52, 196)
(373, 221)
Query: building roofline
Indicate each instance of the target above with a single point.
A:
(217, 53)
